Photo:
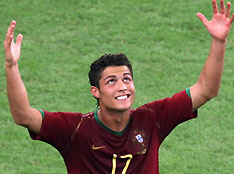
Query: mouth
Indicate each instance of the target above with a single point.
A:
(122, 97)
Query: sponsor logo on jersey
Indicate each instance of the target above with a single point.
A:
(98, 147)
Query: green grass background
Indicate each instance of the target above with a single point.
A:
(167, 45)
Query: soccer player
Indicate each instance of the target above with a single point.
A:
(116, 139)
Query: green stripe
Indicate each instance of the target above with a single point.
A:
(188, 92)
(108, 129)
(42, 113)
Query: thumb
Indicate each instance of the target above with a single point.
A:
(202, 18)
(19, 40)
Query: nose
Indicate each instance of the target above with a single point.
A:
(122, 86)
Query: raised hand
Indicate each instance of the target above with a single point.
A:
(12, 49)
(220, 24)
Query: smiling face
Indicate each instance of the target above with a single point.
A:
(117, 90)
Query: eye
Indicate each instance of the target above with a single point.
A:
(110, 81)
(126, 79)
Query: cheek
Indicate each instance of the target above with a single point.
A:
(132, 87)
(106, 92)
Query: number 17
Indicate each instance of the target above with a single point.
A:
(126, 165)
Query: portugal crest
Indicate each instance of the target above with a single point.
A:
(139, 137)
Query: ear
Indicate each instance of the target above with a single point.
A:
(95, 92)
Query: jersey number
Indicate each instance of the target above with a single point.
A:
(129, 156)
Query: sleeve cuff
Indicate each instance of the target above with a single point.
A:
(42, 113)
(188, 92)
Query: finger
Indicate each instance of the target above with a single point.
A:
(228, 10)
(10, 33)
(215, 7)
(202, 18)
(222, 6)
(19, 40)
(11, 28)
(8, 40)
(232, 18)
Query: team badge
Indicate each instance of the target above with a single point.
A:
(139, 137)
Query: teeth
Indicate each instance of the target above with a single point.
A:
(122, 97)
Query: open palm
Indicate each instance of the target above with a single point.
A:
(12, 49)
(220, 24)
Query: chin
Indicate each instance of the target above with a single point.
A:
(123, 108)
(117, 107)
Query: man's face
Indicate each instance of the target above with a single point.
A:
(117, 90)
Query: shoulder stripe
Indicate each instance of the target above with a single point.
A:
(78, 126)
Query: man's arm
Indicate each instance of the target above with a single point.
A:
(21, 110)
(209, 81)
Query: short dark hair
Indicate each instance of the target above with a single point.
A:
(99, 65)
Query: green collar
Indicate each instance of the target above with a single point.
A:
(108, 129)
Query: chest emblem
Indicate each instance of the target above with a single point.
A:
(139, 137)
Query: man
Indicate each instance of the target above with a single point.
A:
(115, 138)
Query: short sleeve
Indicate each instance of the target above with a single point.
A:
(170, 112)
(57, 129)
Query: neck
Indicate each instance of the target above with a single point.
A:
(114, 120)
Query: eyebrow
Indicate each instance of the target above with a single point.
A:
(125, 74)
(114, 76)
(111, 76)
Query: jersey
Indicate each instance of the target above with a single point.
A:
(89, 147)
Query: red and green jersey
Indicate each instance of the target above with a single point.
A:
(89, 147)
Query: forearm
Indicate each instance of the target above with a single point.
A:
(210, 77)
(209, 81)
(17, 95)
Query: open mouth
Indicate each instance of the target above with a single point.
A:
(122, 97)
